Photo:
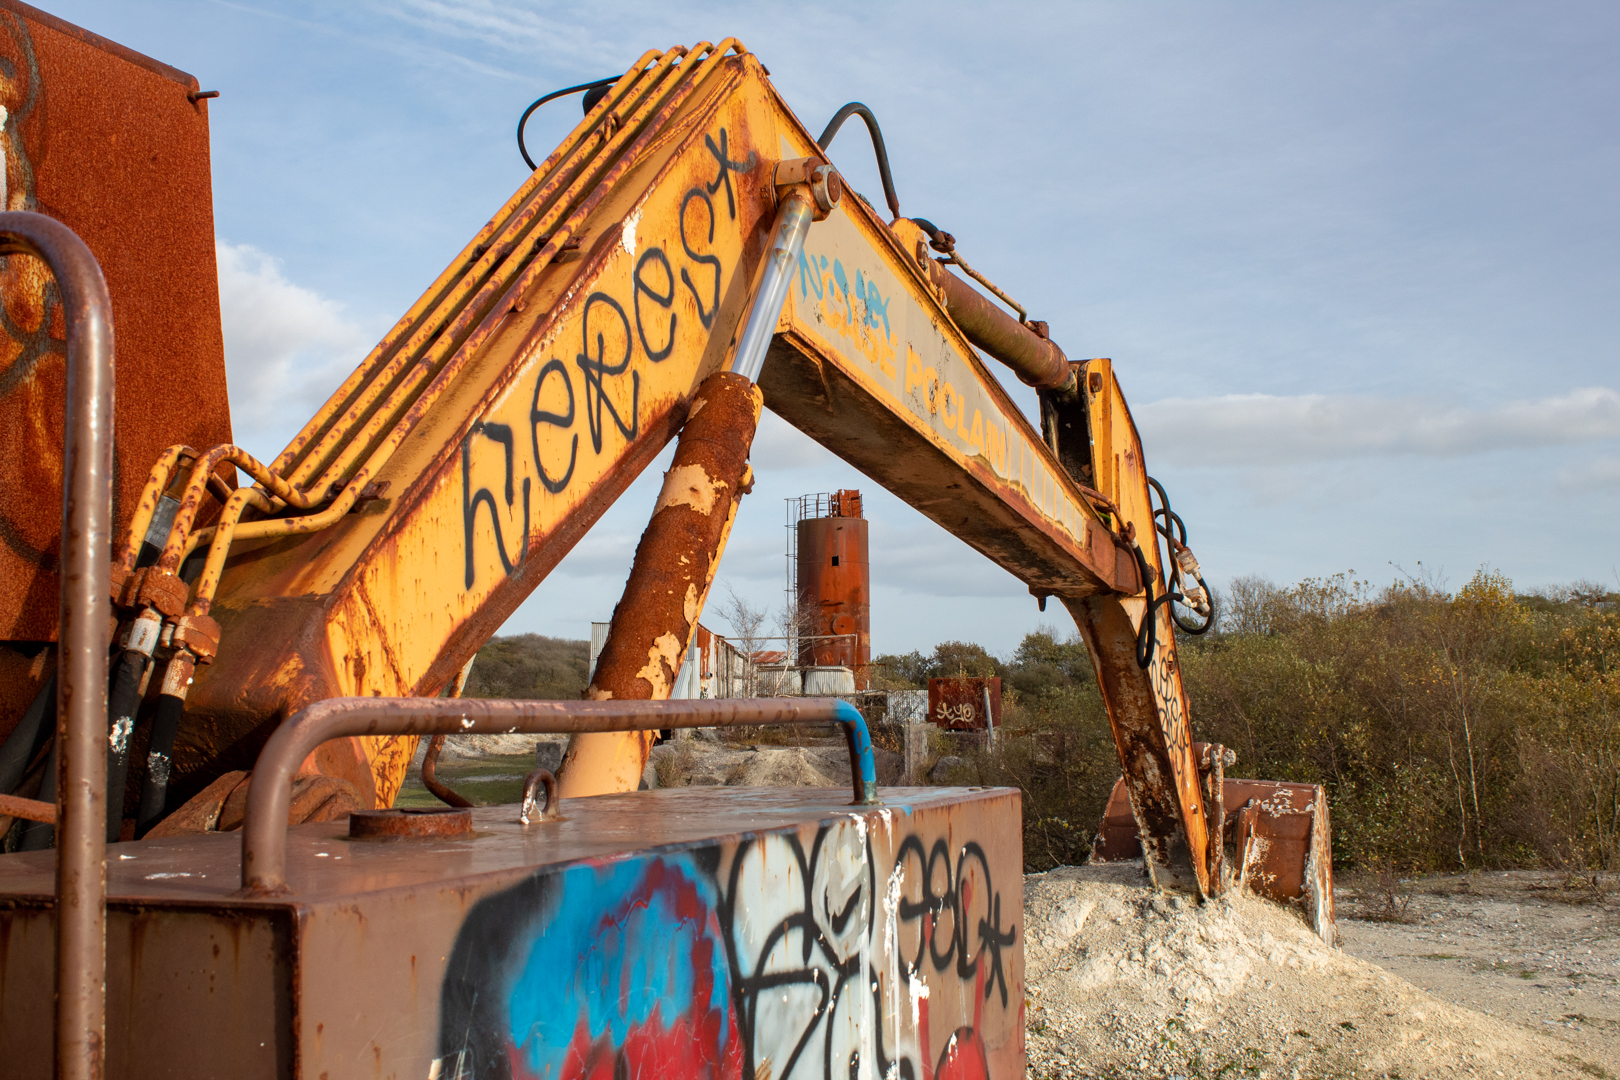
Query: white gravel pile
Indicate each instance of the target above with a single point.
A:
(477, 747)
(1123, 982)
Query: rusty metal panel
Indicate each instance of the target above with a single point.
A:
(958, 704)
(109, 143)
(673, 933)
(224, 971)
(1284, 844)
(1117, 838)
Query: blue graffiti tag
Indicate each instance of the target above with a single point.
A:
(810, 274)
(622, 953)
(876, 307)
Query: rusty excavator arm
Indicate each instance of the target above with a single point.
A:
(685, 257)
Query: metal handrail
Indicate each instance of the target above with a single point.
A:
(86, 609)
(264, 832)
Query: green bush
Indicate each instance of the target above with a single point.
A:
(1467, 730)
(530, 666)
(1475, 729)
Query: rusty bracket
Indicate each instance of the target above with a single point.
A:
(118, 580)
(535, 780)
(1213, 760)
(826, 185)
(198, 633)
(158, 588)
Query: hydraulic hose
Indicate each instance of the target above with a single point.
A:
(160, 747)
(122, 701)
(28, 738)
(855, 108)
(1182, 563)
(589, 102)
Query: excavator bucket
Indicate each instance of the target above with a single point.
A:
(1277, 838)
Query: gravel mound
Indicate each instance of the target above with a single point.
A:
(473, 747)
(1126, 982)
(699, 763)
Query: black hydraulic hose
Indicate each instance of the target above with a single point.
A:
(28, 738)
(40, 835)
(1169, 516)
(855, 108)
(159, 757)
(1171, 525)
(1147, 636)
(590, 102)
(122, 702)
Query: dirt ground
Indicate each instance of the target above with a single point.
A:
(1540, 951)
(1123, 982)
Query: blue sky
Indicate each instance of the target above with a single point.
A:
(1355, 262)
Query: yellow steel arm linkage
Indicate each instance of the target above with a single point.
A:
(549, 364)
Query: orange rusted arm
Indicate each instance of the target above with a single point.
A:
(569, 342)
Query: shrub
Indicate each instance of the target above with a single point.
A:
(1475, 729)
(1467, 730)
(530, 666)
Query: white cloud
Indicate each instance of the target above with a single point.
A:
(505, 27)
(286, 347)
(1251, 429)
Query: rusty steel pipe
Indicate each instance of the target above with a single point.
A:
(264, 831)
(86, 611)
(28, 809)
(679, 553)
(793, 219)
(1037, 361)
(674, 568)
(168, 463)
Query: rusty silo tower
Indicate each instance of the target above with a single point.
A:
(832, 582)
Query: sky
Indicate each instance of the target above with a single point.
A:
(1355, 263)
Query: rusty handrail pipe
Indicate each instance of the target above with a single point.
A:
(86, 610)
(264, 831)
(1036, 360)
(430, 776)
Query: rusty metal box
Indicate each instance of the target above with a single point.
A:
(743, 932)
